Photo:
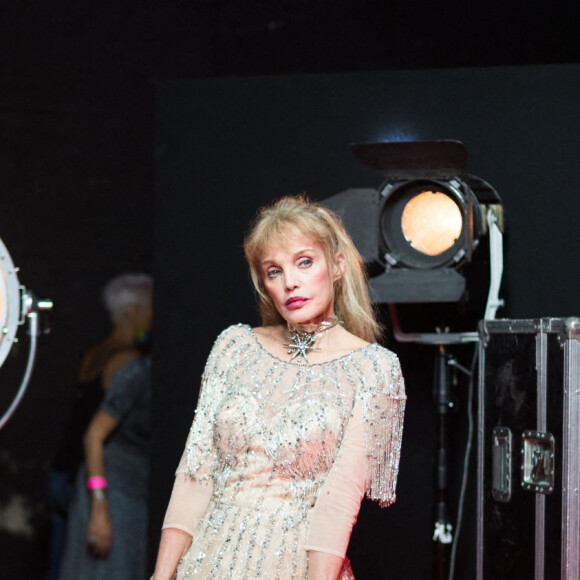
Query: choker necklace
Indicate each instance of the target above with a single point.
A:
(302, 341)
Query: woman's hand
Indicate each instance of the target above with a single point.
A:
(100, 530)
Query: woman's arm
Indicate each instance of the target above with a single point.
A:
(358, 468)
(337, 505)
(188, 502)
(193, 485)
(100, 530)
(172, 547)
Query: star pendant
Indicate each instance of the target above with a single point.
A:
(300, 344)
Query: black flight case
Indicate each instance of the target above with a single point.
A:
(528, 494)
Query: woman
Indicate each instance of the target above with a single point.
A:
(108, 524)
(108, 517)
(127, 299)
(297, 419)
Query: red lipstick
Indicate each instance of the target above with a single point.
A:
(296, 302)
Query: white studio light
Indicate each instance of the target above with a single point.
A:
(10, 311)
(17, 306)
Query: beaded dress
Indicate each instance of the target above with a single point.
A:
(280, 455)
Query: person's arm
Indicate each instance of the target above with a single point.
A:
(368, 461)
(99, 532)
(193, 485)
(337, 505)
(125, 388)
(172, 547)
(189, 500)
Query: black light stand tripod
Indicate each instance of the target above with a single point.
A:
(443, 532)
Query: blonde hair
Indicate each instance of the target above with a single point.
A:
(278, 222)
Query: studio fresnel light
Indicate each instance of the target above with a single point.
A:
(421, 232)
(17, 306)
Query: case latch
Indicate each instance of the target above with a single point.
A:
(538, 462)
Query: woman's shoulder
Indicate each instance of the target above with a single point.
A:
(383, 357)
(119, 360)
(383, 353)
(95, 359)
(386, 368)
(234, 331)
(232, 337)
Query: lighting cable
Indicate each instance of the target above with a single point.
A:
(466, 459)
(33, 327)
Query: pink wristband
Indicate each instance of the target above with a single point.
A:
(96, 482)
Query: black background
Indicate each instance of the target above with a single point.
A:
(226, 146)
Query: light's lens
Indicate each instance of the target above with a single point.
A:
(431, 222)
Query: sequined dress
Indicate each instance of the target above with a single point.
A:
(279, 456)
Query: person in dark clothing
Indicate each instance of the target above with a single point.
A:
(128, 300)
(107, 525)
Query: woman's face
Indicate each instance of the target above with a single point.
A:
(299, 280)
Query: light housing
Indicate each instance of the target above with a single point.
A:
(421, 232)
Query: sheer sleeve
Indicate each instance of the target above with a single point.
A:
(194, 476)
(367, 460)
(338, 503)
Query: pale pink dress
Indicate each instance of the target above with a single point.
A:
(280, 455)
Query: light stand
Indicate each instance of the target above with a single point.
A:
(443, 533)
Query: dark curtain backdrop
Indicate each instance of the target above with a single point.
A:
(226, 146)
